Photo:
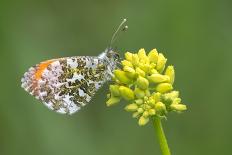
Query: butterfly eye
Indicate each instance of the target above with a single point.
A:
(116, 56)
(113, 55)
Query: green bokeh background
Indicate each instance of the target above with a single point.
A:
(195, 35)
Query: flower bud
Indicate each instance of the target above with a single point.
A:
(153, 65)
(153, 71)
(135, 115)
(160, 107)
(145, 114)
(126, 63)
(126, 93)
(140, 72)
(121, 76)
(176, 101)
(131, 107)
(128, 56)
(171, 96)
(128, 69)
(143, 120)
(142, 83)
(164, 87)
(161, 62)
(142, 54)
(144, 67)
(153, 56)
(158, 78)
(130, 72)
(147, 92)
(178, 107)
(145, 98)
(114, 89)
(151, 101)
(113, 101)
(147, 106)
(171, 73)
(139, 93)
(135, 59)
(139, 101)
(156, 96)
(151, 112)
(140, 110)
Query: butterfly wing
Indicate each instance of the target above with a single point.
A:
(65, 84)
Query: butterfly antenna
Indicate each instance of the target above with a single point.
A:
(116, 33)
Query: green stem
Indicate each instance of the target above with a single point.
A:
(161, 136)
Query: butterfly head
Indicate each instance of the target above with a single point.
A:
(110, 59)
(112, 55)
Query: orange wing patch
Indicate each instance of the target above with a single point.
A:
(41, 68)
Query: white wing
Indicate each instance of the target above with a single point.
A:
(66, 84)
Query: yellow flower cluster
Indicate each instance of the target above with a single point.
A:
(144, 82)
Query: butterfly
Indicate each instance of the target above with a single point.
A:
(65, 85)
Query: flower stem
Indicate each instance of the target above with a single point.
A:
(161, 136)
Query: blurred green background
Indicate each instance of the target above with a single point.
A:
(195, 35)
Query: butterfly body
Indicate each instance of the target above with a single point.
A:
(67, 84)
